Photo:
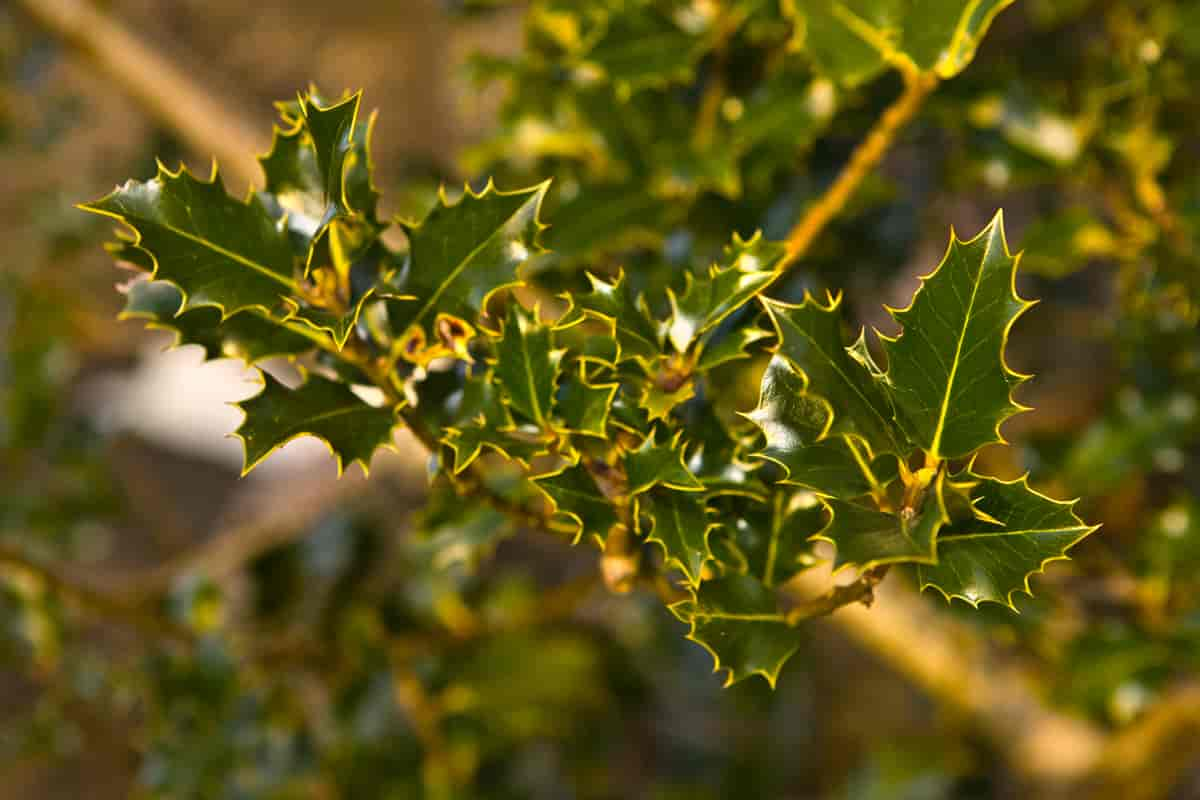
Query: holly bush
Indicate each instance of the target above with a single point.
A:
(669, 320)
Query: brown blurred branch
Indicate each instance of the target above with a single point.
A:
(166, 93)
(1146, 760)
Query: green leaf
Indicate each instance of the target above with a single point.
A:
(706, 301)
(714, 456)
(852, 40)
(869, 538)
(245, 335)
(527, 365)
(659, 401)
(642, 48)
(737, 621)
(794, 421)
(678, 523)
(351, 428)
(489, 424)
(719, 346)
(332, 131)
(604, 219)
(464, 252)
(775, 538)
(654, 464)
(219, 251)
(349, 255)
(452, 535)
(632, 326)
(305, 168)
(810, 336)
(573, 493)
(946, 371)
(786, 111)
(942, 35)
(980, 561)
(468, 441)
(583, 407)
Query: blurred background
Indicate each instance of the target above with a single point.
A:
(168, 629)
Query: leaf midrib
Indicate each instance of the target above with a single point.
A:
(1027, 532)
(462, 265)
(944, 411)
(216, 248)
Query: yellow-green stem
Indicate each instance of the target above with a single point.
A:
(864, 159)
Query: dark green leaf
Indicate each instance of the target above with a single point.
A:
(794, 423)
(678, 523)
(810, 336)
(749, 267)
(573, 493)
(219, 251)
(774, 537)
(946, 372)
(655, 464)
(582, 406)
(868, 538)
(527, 365)
(463, 252)
(980, 561)
(245, 335)
(736, 619)
(635, 331)
(351, 428)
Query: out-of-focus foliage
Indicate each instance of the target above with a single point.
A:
(652, 374)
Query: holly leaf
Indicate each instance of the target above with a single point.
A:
(583, 407)
(490, 425)
(714, 456)
(946, 371)
(775, 538)
(468, 442)
(245, 335)
(573, 493)
(810, 336)
(707, 300)
(305, 168)
(869, 538)
(720, 346)
(527, 365)
(736, 619)
(629, 319)
(352, 429)
(331, 129)
(679, 524)
(659, 464)
(660, 401)
(464, 252)
(852, 40)
(980, 561)
(943, 35)
(219, 251)
(794, 422)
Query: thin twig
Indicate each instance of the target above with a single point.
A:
(865, 158)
